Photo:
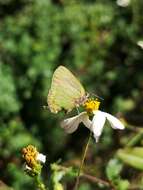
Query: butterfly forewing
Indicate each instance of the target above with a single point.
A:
(65, 90)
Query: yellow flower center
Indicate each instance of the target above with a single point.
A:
(29, 154)
(91, 105)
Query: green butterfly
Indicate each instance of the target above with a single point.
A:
(66, 91)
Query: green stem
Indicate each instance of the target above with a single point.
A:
(82, 161)
(39, 183)
(137, 138)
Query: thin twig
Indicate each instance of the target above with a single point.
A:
(96, 180)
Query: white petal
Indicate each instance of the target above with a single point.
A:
(86, 121)
(71, 124)
(123, 3)
(115, 123)
(140, 44)
(27, 167)
(41, 158)
(98, 124)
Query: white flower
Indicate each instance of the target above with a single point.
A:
(123, 3)
(140, 44)
(71, 124)
(96, 125)
(99, 121)
(41, 158)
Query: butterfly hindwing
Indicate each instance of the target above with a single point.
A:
(65, 90)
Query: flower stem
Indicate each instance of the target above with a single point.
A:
(82, 161)
(39, 183)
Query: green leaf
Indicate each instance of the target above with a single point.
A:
(113, 169)
(132, 157)
(84, 186)
(123, 185)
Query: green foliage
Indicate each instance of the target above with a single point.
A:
(19, 180)
(16, 137)
(8, 101)
(84, 186)
(113, 170)
(132, 156)
(97, 40)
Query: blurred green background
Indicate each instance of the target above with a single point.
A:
(101, 43)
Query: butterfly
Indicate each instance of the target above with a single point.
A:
(66, 91)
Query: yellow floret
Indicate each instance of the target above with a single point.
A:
(29, 154)
(91, 105)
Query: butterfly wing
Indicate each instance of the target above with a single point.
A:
(65, 90)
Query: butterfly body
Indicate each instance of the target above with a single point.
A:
(81, 100)
(66, 91)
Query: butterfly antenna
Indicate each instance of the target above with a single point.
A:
(99, 97)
